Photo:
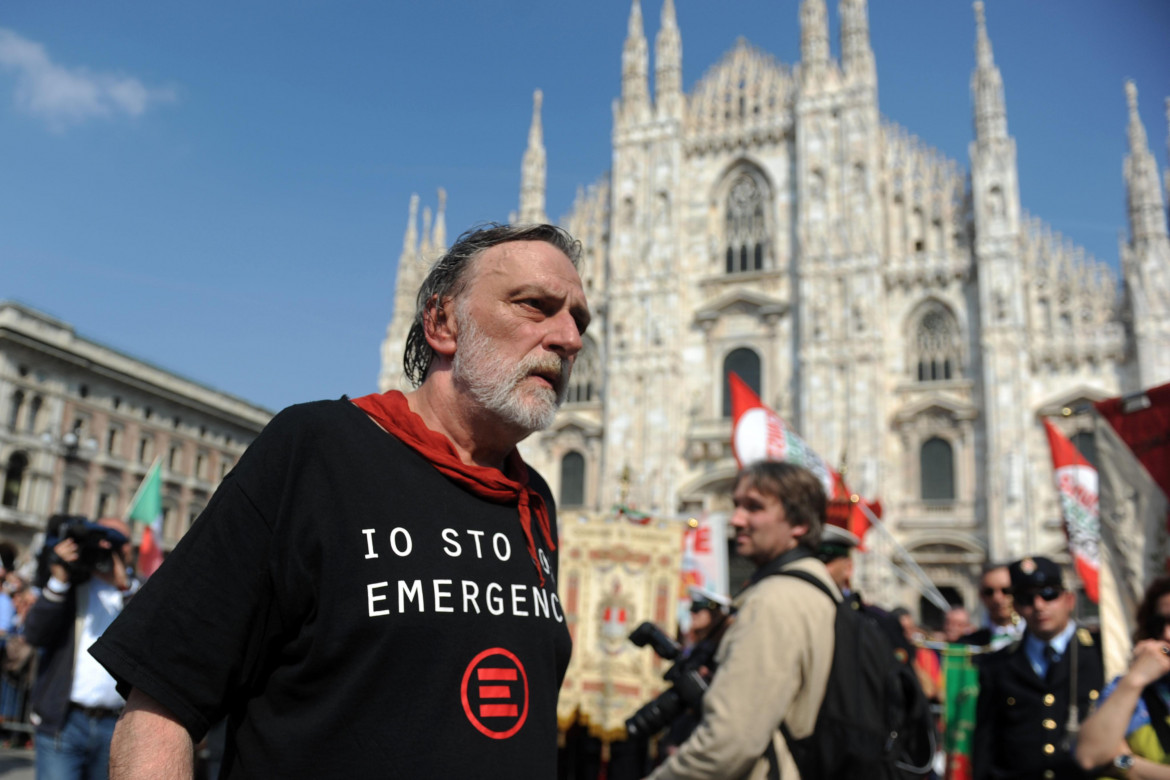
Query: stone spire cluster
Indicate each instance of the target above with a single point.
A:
(987, 88)
(856, 53)
(814, 38)
(1147, 213)
(668, 62)
(1145, 258)
(534, 169)
(635, 67)
(418, 252)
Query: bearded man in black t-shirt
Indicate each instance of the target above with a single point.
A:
(372, 590)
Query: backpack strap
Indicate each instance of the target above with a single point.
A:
(810, 578)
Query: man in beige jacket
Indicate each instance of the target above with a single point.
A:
(773, 663)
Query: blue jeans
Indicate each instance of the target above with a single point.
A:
(81, 751)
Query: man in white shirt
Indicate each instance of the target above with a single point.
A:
(74, 701)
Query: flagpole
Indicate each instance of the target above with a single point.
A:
(907, 579)
(126, 512)
(930, 590)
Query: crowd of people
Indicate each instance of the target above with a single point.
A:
(18, 658)
(380, 576)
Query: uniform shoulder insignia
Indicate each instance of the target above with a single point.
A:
(1085, 637)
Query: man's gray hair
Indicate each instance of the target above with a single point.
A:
(449, 275)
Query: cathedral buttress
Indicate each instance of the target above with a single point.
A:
(1009, 429)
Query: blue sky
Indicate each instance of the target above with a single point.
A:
(221, 188)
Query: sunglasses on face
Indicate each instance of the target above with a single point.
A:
(1048, 593)
(989, 592)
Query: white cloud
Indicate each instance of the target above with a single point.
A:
(62, 96)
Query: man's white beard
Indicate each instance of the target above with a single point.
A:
(480, 367)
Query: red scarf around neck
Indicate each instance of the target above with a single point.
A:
(392, 412)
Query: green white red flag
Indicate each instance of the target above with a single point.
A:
(758, 433)
(146, 508)
(1076, 485)
(961, 688)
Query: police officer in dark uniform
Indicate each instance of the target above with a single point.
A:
(1025, 724)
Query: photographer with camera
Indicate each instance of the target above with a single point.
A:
(74, 701)
(772, 666)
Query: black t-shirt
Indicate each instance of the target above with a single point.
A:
(354, 613)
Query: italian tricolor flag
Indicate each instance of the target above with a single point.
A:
(147, 508)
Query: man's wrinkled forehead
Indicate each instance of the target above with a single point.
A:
(515, 267)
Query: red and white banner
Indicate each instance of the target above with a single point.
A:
(704, 561)
(1076, 485)
(759, 434)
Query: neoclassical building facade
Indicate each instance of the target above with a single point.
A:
(83, 422)
(900, 309)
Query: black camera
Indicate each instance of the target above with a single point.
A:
(689, 684)
(96, 545)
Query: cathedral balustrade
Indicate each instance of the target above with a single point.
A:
(933, 514)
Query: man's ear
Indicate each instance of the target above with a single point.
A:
(439, 325)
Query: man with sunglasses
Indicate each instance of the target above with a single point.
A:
(1034, 693)
(1004, 625)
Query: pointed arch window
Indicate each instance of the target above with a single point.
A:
(745, 225)
(746, 363)
(572, 479)
(936, 349)
(584, 383)
(937, 470)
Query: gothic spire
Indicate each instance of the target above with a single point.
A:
(814, 36)
(667, 58)
(425, 247)
(534, 169)
(410, 240)
(856, 54)
(1147, 220)
(1168, 146)
(440, 233)
(987, 86)
(635, 65)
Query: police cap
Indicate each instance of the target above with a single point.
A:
(1035, 573)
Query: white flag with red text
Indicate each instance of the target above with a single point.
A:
(758, 433)
(1076, 485)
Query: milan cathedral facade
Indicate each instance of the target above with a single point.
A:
(903, 312)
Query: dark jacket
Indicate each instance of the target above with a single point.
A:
(1021, 720)
(51, 625)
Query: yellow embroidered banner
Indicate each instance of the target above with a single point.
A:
(614, 574)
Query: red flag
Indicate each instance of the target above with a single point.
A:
(1076, 484)
(150, 554)
(1133, 459)
(1143, 423)
(758, 433)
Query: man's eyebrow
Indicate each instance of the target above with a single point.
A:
(583, 317)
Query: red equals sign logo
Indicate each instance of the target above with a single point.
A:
(500, 693)
(487, 691)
